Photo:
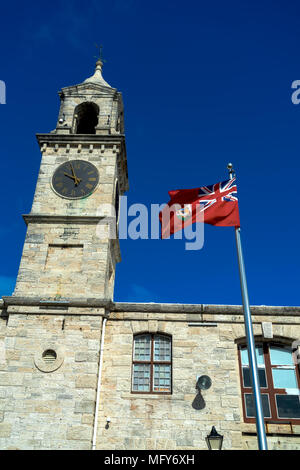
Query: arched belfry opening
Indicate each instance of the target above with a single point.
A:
(117, 201)
(86, 118)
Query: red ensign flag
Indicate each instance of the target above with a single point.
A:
(216, 205)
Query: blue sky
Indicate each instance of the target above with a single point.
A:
(203, 83)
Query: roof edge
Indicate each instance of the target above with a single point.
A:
(151, 307)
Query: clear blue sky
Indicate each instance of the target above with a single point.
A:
(203, 83)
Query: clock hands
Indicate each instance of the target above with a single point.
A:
(76, 180)
(74, 177)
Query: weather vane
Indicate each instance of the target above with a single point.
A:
(100, 53)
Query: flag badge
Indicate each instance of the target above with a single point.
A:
(185, 212)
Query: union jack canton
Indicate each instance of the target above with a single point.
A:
(224, 191)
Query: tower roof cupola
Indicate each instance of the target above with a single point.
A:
(97, 77)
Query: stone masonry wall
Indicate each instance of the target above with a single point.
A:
(52, 405)
(69, 274)
(181, 420)
(41, 408)
(62, 261)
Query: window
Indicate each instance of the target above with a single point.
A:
(152, 364)
(279, 383)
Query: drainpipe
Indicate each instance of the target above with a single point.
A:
(99, 385)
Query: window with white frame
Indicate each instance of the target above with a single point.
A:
(152, 363)
(279, 383)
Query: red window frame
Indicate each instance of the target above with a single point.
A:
(270, 390)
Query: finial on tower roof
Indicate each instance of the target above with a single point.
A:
(97, 77)
(100, 58)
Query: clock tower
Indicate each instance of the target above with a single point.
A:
(55, 319)
(82, 174)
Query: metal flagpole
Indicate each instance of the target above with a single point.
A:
(260, 426)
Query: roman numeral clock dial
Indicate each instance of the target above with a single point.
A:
(75, 179)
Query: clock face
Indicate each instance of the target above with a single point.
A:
(75, 179)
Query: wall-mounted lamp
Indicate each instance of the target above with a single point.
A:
(203, 383)
(214, 440)
(62, 119)
(107, 422)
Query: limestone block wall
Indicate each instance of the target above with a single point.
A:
(66, 252)
(49, 405)
(65, 260)
(203, 344)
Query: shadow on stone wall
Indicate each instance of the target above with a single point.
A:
(198, 402)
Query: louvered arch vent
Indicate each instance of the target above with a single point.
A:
(49, 356)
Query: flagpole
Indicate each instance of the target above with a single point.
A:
(260, 425)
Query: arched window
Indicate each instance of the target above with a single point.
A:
(279, 383)
(86, 118)
(152, 363)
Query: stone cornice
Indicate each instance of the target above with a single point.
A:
(42, 302)
(65, 219)
(81, 138)
(108, 304)
(85, 87)
(203, 308)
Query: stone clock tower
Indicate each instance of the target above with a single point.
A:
(53, 322)
(79, 371)
(83, 172)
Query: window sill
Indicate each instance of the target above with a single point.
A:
(272, 429)
(156, 396)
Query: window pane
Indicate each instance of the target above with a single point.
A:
(284, 378)
(141, 378)
(259, 356)
(162, 378)
(288, 406)
(162, 348)
(142, 348)
(281, 356)
(261, 376)
(250, 409)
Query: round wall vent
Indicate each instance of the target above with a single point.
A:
(49, 356)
